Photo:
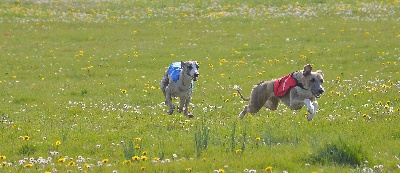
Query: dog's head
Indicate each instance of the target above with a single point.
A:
(312, 80)
(191, 68)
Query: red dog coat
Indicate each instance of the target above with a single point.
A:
(284, 84)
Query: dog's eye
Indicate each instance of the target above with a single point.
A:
(190, 67)
(312, 80)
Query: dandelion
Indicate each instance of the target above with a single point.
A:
(387, 107)
(222, 74)
(135, 158)
(235, 94)
(71, 163)
(142, 168)
(156, 159)
(3, 157)
(61, 160)
(153, 87)
(28, 165)
(238, 151)
(143, 158)
(137, 147)
(269, 168)
(189, 169)
(123, 91)
(25, 138)
(127, 162)
(58, 143)
(258, 138)
(144, 153)
(104, 160)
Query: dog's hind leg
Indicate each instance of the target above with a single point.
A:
(164, 84)
(168, 101)
(244, 112)
(272, 103)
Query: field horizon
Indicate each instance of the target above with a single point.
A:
(80, 86)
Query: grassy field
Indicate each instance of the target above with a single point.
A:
(80, 89)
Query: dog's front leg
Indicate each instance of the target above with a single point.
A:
(295, 103)
(182, 101)
(186, 112)
(311, 116)
(311, 106)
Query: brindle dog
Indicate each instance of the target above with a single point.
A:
(178, 82)
(308, 87)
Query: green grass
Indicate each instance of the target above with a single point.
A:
(81, 78)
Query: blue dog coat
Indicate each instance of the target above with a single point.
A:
(174, 71)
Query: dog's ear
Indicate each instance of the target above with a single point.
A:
(307, 70)
(182, 64)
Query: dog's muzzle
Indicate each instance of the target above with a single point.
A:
(318, 93)
(195, 76)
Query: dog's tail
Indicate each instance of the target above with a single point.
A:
(237, 88)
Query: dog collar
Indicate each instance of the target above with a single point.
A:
(297, 82)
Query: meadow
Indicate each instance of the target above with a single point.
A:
(80, 92)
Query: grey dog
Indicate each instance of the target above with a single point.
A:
(295, 90)
(178, 81)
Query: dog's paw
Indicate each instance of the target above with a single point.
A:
(311, 109)
(170, 112)
(310, 117)
(180, 110)
(190, 115)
